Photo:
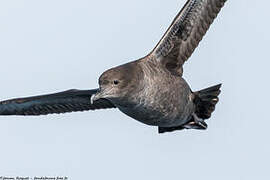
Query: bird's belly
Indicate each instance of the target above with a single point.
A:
(143, 114)
(157, 117)
(164, 104)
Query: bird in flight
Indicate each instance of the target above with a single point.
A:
(151, 89)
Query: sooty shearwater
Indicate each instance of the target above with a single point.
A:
(151, 89)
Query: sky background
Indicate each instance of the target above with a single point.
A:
(55, 45)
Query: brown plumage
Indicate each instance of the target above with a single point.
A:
(150, 90)
(185, 32)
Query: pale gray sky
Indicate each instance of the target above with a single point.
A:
(54, 45)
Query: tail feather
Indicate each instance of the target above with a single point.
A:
(206, 100)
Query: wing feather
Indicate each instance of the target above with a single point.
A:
(185, 33)
(63, 102)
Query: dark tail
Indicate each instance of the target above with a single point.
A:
(206, 100)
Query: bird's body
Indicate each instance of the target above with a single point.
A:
(164, 100)
(150, 90)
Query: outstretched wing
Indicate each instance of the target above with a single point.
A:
(63, 102)
(185, 33)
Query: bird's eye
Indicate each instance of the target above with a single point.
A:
(115, 82)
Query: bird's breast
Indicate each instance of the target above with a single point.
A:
(161, 102)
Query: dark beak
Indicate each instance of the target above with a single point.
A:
(97, 96)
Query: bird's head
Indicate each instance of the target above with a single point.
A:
(118, 82)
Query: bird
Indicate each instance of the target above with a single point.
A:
(152, 89)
